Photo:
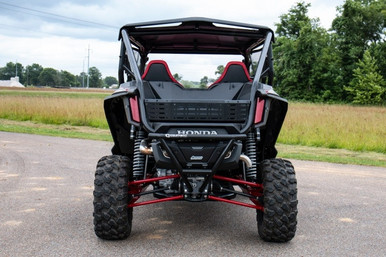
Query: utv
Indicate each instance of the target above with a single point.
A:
(211, 144)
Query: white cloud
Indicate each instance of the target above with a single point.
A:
(34, 37)
(62, 53)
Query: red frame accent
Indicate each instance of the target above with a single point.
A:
(226, 70)
(164, 64)
(134, 109)
(254, 189)
(149, 180)
(259, 111)
(238, 181)
(136, 187)
(257, 207)
(173, 198)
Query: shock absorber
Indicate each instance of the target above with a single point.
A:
(138, 158)
(251, 153)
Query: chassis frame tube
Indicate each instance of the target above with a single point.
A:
(172, 198)
(149, 180)
(215, 198)
(238, 181)
(135, 189)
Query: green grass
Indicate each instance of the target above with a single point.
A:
(50, 108)
(335, 126)
(331, 155)
(61, 94)
(29, 127)
(285, 151)
(351, 134)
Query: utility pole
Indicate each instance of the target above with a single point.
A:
(83, 73)
(88, 66)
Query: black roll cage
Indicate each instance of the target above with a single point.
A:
(152, 37)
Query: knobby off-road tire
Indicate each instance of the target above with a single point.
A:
(112, 217)
(278, 221)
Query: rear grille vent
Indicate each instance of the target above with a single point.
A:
(224, 111)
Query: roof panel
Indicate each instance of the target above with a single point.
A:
(196, 35)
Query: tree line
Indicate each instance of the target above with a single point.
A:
(346, 63)
(37, 75)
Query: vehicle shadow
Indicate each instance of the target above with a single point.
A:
(202, 221)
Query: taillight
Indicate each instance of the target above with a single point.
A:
(134, 109)
(259, 110)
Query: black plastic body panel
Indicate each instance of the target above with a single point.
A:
(118, 114)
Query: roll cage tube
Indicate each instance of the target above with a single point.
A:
(260, 66)
(256, 80)
(256, 84)
(130, 56)
(137, 77)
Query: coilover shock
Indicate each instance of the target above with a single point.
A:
(251, 151)
(139, 158)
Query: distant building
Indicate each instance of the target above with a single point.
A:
(13, 82)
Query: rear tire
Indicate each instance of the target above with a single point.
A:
(112, 217)
(278, 221)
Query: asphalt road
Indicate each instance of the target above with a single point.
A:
(46, 209)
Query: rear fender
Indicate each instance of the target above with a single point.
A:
(275, 110)
(120, 118)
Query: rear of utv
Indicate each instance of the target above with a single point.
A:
(211, 144)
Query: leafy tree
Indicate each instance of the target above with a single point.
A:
(177, 76)
(204, 82)
(292, 22)
(367, 86)
(220, 70)
(66, 79)
(378, 51)
(313, 65)
(82, 79)
(327, 74)
(48, 77)
(32, 73)
(300, 56)
(10, 71)
(359, 23)
(188, 84)
(109, 81)
(95, 79)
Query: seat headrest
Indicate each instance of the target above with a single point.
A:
(234, 72)
(158, 70)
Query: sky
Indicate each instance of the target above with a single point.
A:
(60, 34)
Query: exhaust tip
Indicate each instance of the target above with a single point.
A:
(144, 148)
(246, 160)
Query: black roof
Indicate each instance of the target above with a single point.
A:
(196, 35)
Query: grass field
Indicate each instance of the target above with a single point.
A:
(335, 126)
(77, 108)
(316, 125)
